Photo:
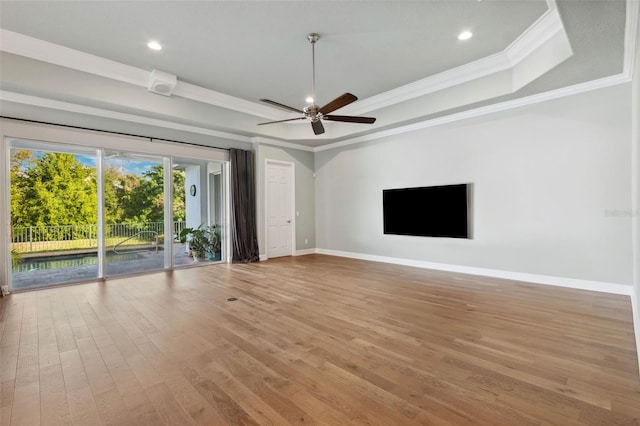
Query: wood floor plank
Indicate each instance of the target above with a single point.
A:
(82, 407)
(184, 392)
(140, 411)
(54, 406)
(317, 340)
(216, 396)
(9, 361)
(7, 389)
(168, 408)
(73, 370)
(97, 373)
(26, 404)
(112, 409)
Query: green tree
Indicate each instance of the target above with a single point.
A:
(21, 161)
(117, 188)
(52, 189)
(179, 209)
(143, 198)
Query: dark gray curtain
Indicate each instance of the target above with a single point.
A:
(243, 199)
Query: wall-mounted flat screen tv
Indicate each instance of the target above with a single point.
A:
(429, 211)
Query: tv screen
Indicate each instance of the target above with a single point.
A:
(431, 211)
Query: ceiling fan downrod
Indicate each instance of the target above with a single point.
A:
(313, 37)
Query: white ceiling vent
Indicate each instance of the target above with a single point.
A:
(162, 83)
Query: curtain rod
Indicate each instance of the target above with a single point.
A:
(113, 133)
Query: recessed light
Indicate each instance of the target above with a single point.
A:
(154, 45)
(465, 35)
(309, 100)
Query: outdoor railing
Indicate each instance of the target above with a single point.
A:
(30, 239)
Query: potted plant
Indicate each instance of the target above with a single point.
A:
(215, 243)
(198, 239)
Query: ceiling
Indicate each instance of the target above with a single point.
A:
(401, 58)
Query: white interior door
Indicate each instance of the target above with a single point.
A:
(279, 209)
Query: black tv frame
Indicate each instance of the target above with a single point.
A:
(441, 211)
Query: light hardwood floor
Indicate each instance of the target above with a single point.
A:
(317, 340)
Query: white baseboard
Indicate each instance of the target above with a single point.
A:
(305, 251)
(264, 257)
(602, 287)
(635, 309)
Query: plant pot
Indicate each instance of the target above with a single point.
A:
(199, 257)
(214, 257)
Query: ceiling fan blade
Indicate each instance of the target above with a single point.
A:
(350, 119)
(279, 105)
(318, 128)
(342, 100)
(282, 121)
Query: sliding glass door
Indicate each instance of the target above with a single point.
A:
(198, 211)
(54, 214)
(81, 213)
(134, 213)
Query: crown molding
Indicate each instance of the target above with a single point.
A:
(7, 96)
(534, 37)
(259, 140)
(541, 32)
(489, 109)
(453, 77)
(22, 45)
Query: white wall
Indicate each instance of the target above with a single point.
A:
(635, 160)
(551, 189)
(193, 207)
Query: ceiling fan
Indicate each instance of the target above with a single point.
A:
(312, 112)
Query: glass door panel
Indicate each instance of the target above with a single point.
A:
(134, 213)
(198, 206)
(54, 214)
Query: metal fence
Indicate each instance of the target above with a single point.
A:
(29, 239)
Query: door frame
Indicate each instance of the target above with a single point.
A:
(292, 173)
(60, 135)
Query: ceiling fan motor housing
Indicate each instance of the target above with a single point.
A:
(312, 113)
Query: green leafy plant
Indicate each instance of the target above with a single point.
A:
(15, 257)
(202, 240)
(215, 241)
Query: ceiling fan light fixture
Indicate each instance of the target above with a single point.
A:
(309, 100)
